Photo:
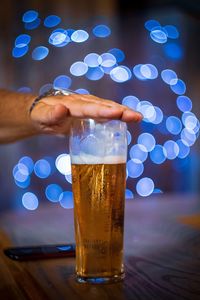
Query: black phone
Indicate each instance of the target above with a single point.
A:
(40, 252)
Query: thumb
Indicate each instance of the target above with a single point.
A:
(49, 114)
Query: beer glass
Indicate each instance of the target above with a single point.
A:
(98, 151)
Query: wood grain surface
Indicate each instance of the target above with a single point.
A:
(162, 254)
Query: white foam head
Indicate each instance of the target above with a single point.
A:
(94, 160)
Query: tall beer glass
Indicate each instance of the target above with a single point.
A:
(98, 155)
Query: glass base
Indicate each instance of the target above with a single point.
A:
(100, 280)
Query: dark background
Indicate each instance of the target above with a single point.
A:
(126, 19)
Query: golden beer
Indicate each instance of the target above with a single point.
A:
(99, 193)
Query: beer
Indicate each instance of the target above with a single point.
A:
(99, 218)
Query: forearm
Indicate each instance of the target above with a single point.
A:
(15, 122)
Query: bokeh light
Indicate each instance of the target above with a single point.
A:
(59, 38)
(42, 168)
(30, 201)
(149, 71)
(179, 87)
(158, 35)
(95, 73)
(24, 90)
(169, 76)
(22, 40)
(138, 152)
(150, 24)
(172, 31)
(171, 149)
(28, 162)
(78, 68)
(20, 50)
(66, 200)
(145, 187)
(173, 51)
(184, 103)
(93, 60)
(129, 137)
(30, 16)
(63, 164)
(147, 140)
(82, 91)
(45, 88)
(188, 137)
(119, 54)
(120, 74)
(33, 25)
(79, 36)
(158, 117)
(129, 194)
(158, 154)
(40, 53)
(53, 192)
(62, 82)
(131, 102)
(174, 125)
(101, 31)
(184, 150)
(135, 168)
(52, 21)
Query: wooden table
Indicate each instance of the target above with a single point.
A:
(162, 253)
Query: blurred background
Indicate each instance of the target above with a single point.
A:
(144, 55)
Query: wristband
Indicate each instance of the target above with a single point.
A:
(51, 92)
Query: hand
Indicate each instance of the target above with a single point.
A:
(54, 114)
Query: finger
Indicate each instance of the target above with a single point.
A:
(50, 114)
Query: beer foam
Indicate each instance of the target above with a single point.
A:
(94, 160)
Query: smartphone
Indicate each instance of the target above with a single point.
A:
(40, 252)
